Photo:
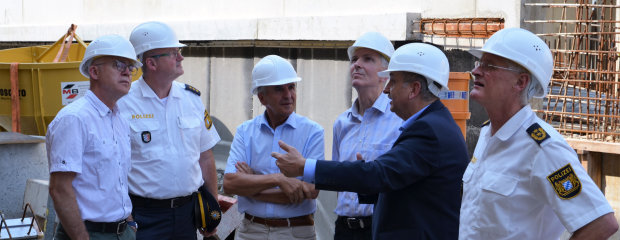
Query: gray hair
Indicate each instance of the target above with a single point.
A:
(384, 62)
(530, 89)
(426, 94)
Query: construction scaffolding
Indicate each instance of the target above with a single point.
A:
(583, 101)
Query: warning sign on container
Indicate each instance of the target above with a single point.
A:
(72, 91)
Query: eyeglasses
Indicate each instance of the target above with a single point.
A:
(121, 66)
(174, 53)
(487, 67)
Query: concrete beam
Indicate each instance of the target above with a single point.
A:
(395, 26)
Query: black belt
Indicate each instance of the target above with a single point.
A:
(138, 201)
(106, 227)
(305, 220)
(356, 222)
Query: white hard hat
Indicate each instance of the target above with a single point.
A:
(272, 70)
(108, 45)
(374, 41)
(424, 59)
(526, 49)
(153, 35)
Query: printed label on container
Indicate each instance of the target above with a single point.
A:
(453, 95)
(71, 91)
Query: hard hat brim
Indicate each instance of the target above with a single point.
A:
(351, 51)
(476, 52)
(281, 82)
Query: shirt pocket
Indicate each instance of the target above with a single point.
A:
(498, 183)
(495, 202)
(105, 163)
(145, 136)
(189, 127)
(372, 151)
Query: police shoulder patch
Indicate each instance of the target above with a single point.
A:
(565, 182)
(192, 89)
(537, 133)
(208, 121)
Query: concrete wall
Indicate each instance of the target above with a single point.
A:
(18, 163)
(42, 20)
(223, 75)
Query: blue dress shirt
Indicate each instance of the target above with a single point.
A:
(253, 144)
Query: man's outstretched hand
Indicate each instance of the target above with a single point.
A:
(292, 163)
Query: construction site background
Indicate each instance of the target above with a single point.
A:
(225, 39)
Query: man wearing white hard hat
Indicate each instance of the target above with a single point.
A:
(274, 206)
(88, 149)
(368, 128)
(418, 181)
(171, 139)
(524, 181)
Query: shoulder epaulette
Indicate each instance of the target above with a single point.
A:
(192, 89)
(487, 122)
(537, 133)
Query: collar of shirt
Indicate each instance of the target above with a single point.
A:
(291, 121)
(99, 105)
(412, 119)
(146, 90)
(382, 105)
(513, 124)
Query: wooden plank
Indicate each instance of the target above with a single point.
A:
(611, 183)
(594, 146)
(595, 169)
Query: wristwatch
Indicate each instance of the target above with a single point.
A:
(133, 224)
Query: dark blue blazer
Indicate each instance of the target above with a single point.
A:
(418, 180)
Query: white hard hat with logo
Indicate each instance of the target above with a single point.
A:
(424, 59)
(374, 41)
(272, 70)
(153, 35)
(108, 45)
(526, 49)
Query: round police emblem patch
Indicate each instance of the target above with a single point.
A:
(146, 136)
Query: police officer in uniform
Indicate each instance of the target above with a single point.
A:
(524, 181)
(171, 139)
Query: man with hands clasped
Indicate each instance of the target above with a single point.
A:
(275, 206)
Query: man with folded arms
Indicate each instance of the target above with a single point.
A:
(275, 206)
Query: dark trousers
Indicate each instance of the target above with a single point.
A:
(343, 232)
(128, 234)
(165, 223)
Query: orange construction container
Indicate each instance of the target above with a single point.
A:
(456, 98)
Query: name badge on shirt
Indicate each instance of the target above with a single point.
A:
(146, 136)
(565, 182)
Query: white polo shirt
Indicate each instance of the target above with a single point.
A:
(525, 182)
(87, 138)
(167, 138)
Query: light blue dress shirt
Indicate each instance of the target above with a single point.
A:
(310, 166)
(253, 144)
(371, 135)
